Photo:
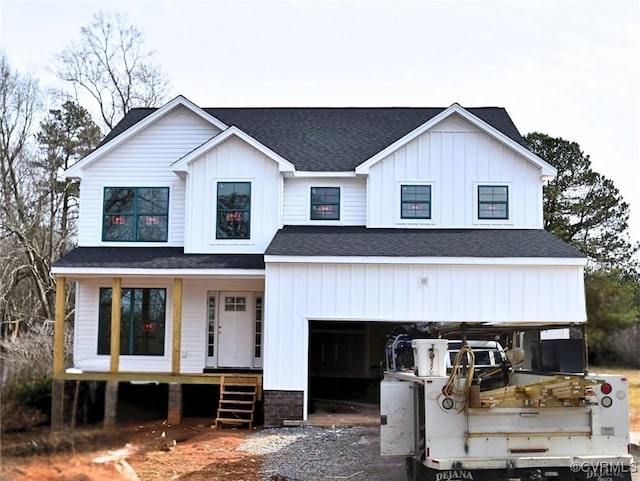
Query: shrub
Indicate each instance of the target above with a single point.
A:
(27, 361)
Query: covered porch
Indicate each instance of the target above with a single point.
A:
(118, 338)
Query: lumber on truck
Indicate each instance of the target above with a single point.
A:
(553, 392)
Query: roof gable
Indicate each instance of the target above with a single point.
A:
(546, 169)
(182, 164)
(325, 139)
(134, 122)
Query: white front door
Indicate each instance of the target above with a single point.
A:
(235, 329)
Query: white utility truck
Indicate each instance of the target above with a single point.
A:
(464, 410)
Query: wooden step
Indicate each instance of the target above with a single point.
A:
(237, 403)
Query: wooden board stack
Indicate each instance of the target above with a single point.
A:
(553, 392)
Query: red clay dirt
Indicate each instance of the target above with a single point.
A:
(193, 451)
(200, 452)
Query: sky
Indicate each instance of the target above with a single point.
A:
(567, 68)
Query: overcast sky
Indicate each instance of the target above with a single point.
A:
(570, 69)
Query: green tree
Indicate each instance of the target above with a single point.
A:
(586, 210)
(65, 136)
(581, 206)
(612, 305)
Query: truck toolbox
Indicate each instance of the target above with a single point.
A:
(537, 426)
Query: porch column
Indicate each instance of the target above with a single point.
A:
(57, 388)
(58, 332)
(116, 294)
(177, 326)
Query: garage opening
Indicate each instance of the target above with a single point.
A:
(346, 361)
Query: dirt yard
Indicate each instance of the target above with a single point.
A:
(193, 451)
(153, 451)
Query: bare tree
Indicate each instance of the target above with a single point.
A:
(19, 102)
(36, 223)
(111, 65)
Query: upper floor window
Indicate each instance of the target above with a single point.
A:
(325, 203)
(493, 202)
(138, 214)
(234, 210)
(415, 202)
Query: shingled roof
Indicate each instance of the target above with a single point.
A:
(330, 139)
(155, 258)
(360, 241)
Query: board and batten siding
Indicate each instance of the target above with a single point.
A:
(143, 161)
(232, 161)
(454, 157)
(297, 200)
(298, 292)
(194, 322)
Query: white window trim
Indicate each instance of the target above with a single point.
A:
(397, 206)
(214, 214)
(477, 220)
(325, 222)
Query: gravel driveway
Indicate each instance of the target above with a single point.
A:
(324, 453)
(315, 453)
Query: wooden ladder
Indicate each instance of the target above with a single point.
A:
(237, 402)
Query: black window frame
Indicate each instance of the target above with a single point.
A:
(321, 197)
(112, 217)
(404, 201)
(493, 201)
(132, 328)
(235, 210)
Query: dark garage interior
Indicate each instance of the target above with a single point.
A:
(346, 360)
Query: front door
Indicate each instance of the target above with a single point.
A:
(235, 329)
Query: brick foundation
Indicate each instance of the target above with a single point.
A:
(282, 405)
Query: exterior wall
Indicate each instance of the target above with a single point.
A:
(194, 323)
(298, 292)
(297, 200)
(144, 160)
(453, 157)
(232, 160)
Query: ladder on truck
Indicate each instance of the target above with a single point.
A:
(237, 403)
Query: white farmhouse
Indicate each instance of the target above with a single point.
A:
(273, 246)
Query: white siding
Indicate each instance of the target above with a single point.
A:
(297, 200)
(194, 323)
(454, 157)
(298, 292)
(232, 160)
(144, 160)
